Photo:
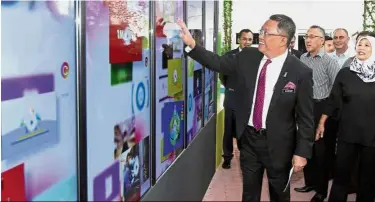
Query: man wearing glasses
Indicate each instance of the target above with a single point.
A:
(245, 40)
(324, 70)
(273, 94)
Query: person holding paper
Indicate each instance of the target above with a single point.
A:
(274, 106)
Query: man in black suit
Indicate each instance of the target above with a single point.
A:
(293, 51)
(274, 113)
(229, 82)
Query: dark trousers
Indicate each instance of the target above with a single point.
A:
(254, 159)
(229, 133)
(347, 153)
(333, 129)
(318, 168)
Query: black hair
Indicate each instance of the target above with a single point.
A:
(244, 31)
(286, 25)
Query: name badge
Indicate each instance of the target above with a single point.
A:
(288, 90)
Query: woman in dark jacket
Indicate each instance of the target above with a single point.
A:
(354, 93)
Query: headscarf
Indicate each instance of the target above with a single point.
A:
(365, 69)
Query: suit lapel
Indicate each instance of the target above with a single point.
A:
(237, 50)
(281, 81)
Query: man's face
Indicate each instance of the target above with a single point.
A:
(269, 39)
(340, 39)
(292, 43)
(314, 40)
(246, 39)
(328, 46)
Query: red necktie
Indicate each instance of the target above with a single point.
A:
(259, 100)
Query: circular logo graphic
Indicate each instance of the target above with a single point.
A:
(140, 96)
(65, 70)
(190, 101)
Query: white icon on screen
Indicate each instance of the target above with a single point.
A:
(175, 76)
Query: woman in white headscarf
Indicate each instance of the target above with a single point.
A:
(354, 93)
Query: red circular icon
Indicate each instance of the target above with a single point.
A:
(65, 70)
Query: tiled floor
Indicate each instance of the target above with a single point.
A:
(226, 185)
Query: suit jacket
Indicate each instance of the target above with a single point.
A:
(296, 53)
(229, 83)
(287, 110)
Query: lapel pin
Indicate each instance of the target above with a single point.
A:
(286, 73)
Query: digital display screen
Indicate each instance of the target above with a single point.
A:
(209, 107)
(38, 101)
(118, 100)
(170, 71)
(194, 73)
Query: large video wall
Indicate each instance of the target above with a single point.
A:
(133, 67)
(118, 100)
(194, 72)
(38, 101)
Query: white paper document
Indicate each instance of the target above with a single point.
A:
(290, 177)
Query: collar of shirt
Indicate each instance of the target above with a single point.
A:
(279, 59)
(320, 53)
(239, 49)
(345, 54)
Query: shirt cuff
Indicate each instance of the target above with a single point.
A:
(188, 49)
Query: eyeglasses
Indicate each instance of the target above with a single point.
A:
(266, 33)
(311, 37)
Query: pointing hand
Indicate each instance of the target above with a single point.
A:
(185, 34)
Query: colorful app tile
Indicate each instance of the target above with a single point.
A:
(13, 184)
(174, 76)
(107, 184)
(121, 73)
(124, 46)
(197, 82)
(198, 116)
(125, 135)
(13, 88)
(173, 126)
(140, 96)
(65, 70)
(190, 104)
(190, 67)
(130, 172)
(33, 109)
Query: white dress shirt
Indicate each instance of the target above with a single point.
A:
(343, 57)
(272, 75)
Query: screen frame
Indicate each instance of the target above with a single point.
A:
(81, 99)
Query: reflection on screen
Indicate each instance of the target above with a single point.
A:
(38, 101)
(195, 74)
(118, 100)
(209, 75)
(169, 80)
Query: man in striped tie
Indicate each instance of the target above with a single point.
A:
(274, 106)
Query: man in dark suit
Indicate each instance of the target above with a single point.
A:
(245, 40)
(274, 113)
(293, 51)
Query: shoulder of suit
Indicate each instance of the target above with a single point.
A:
(231, 52)
(252, 50)
(300, 66)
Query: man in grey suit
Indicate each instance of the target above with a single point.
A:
(245, 40)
